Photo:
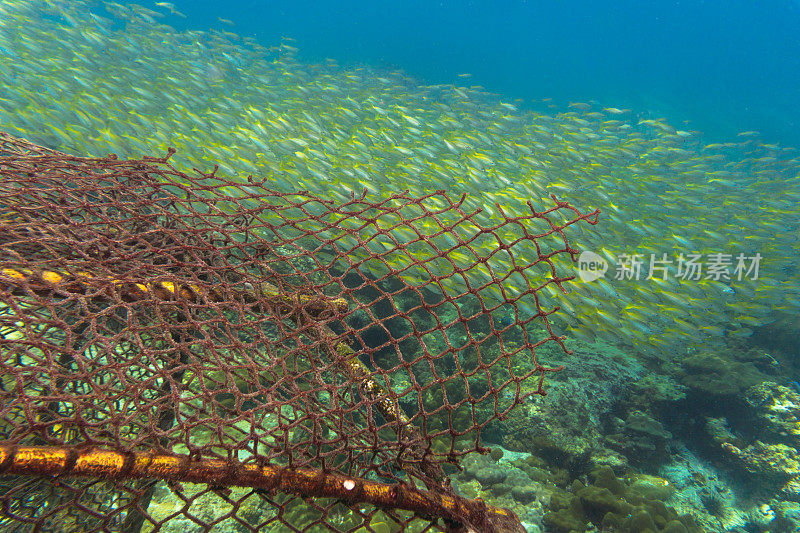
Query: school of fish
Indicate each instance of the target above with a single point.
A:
(94, 78)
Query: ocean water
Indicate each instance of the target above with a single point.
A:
(717, 67)
(676, 120)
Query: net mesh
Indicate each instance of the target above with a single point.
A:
(190, 352)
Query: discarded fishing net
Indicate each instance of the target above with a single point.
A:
(191, 353)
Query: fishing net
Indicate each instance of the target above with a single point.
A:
(192, 353)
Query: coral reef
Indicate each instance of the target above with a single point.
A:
(642, 439)
(718, 377)
(517, 481)
(567, 428)
(613, 504)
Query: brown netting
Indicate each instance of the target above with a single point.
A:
(192, 353)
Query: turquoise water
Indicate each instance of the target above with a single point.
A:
(676, 120)
(724, 67)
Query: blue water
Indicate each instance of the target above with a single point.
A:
(724, 66)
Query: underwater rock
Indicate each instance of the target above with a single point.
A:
(638, 521)
(561, 453)
(534, 472)
(525, 494)
(611, 504)
(765, 446)
(720, 432)
(787, 516)
(469, 489)
(775, 462)
(720, 378)
(605, 478)
(564, 521)
(501, 489)
(791, 490)
(651, 487)
(655, 391)
(640, 423)
(760, 518)
(643, 440)
(489, 476)
(566, 428)
(597, 502)
(776, 409)
(503, 479)
(674, 526)
(496, 453)
(599, 457)
(538, 471)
